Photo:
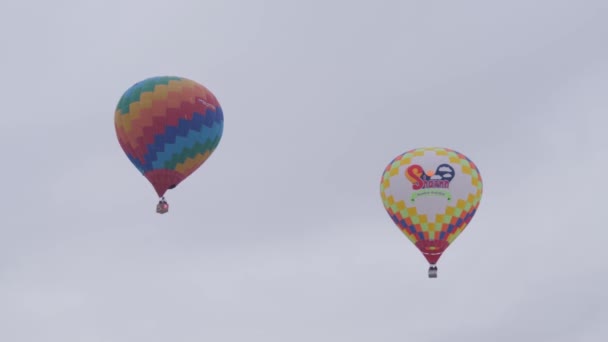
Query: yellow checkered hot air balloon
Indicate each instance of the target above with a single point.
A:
(431, 194)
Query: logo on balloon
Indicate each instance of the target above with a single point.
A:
(205, 103)
(431, 182)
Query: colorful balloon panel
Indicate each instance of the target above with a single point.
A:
(431, 194)
(168, 127)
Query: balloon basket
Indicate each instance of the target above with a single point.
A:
(433, 271)
(162, 207)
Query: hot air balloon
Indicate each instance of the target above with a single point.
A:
(431, 194)
(168, 127)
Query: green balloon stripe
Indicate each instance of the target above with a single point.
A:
(141, 87)
(192, 152)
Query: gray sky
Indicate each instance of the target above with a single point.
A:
(281, 235)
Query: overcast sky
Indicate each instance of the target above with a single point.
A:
(281, 235)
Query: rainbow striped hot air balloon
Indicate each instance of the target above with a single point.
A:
(168, 127)
(431, 194)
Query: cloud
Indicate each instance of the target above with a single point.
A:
(281, 235)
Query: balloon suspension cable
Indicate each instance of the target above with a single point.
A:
(433, 271)
(162, 207)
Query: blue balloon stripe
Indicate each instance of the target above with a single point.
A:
(200, 128)
(186, 142)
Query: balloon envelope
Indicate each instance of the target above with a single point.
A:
(431, 194)
(168, 127)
